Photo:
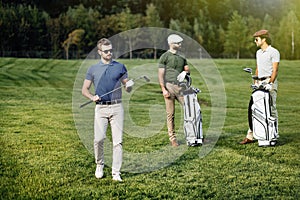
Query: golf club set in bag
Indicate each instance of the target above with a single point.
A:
(261, 123)
(192, 113)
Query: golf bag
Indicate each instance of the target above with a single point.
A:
(262, 124)
(192, 116)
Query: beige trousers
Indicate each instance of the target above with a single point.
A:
(113, 114)
(174, 91)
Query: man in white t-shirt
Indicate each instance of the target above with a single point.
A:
(267, 62)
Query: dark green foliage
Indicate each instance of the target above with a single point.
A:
(37, 28)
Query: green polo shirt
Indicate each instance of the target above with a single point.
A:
(173, 64)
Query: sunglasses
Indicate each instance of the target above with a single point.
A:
(106, 51)
(257, 39)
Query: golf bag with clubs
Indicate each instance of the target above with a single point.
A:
(261, 123)
(192, 114)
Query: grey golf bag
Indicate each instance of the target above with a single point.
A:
(192, 114)
(262, 124)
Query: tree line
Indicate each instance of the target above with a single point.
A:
(70, 29)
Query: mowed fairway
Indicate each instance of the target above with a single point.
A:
(42, 156)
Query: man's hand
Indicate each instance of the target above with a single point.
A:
(268, 86)
(166, 94)
(181, 76)
(129, 83)
(95, 98)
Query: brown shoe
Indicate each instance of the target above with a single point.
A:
(246, 141)
(174, 143)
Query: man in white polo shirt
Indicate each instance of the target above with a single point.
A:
(267, 62)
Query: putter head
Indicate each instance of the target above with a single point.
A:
(249, 70)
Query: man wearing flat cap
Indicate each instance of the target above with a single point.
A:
(267, 62)
(172, 69)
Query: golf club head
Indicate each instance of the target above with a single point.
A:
(254, 87)
(196, 90)
(249, 70)
(146, 78)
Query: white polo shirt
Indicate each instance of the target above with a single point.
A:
(265, 60)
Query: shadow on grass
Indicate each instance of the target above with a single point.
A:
(191, 154)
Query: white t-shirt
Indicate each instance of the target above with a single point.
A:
(265, 60)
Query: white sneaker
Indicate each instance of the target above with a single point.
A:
(99, 171)
(117, 177)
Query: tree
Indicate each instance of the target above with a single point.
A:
(152, 19)
(199, 27)
(23, 29)
(236, 35)
(288, 37)
(207, 33)
(54, 26)
(179, 10)
(75, 38)
(126, 21)
(221, 40)
(295, 6)
(35, 30)
(80, 17)
(254, 24)
(181, 26)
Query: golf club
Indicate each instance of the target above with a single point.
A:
(254, 77)
(249, 70)
(141, 77)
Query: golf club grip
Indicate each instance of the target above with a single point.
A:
(86, 103)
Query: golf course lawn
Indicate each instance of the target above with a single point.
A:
(44, 154)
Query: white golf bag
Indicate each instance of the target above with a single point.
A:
(192, 116)
(264, 126)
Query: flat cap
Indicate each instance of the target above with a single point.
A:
(173, 38)
(264, 33)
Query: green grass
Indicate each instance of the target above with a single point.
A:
(43, 157)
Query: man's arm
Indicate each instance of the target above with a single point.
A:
(86, 91)
(256, 74)
(275, 72)
(161, 74)
(186, 69)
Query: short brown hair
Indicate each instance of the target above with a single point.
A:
(103, 41)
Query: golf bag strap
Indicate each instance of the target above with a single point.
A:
(250, 114)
